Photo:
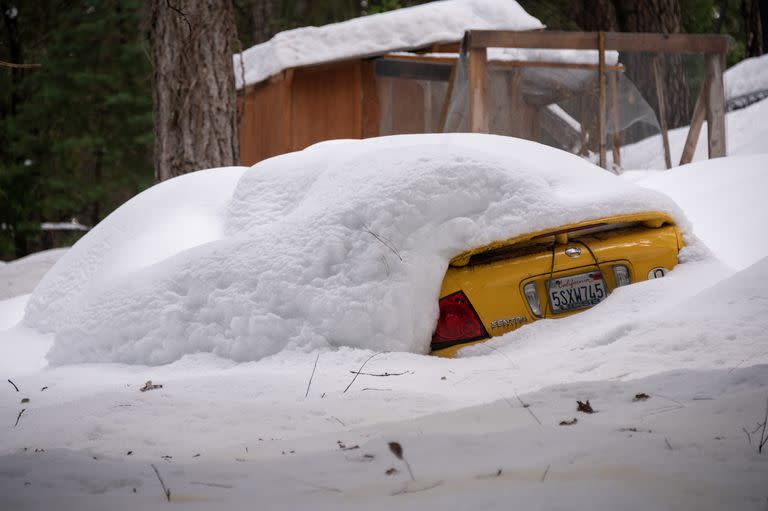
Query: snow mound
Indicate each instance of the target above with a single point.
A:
(746, 133)
(342, 244)
(20, 276)
(712, 214)
(401, 29)
(747, 77)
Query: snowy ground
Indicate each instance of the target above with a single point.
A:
(482, 431)
(745, 131)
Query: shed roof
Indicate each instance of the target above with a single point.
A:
(402, 29)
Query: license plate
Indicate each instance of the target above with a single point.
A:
(576, 292)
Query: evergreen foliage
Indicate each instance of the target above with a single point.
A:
(79, 142)
(76, 133)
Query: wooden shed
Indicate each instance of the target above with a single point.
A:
(463, 66)
(319, 83)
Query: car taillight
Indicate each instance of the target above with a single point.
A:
(621, 274)
(533, 298)
(458, 322)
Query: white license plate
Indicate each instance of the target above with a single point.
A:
(576, 292)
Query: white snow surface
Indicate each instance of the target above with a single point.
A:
(401, 29)
(342, 244)
(20, 276)
(748, 76)
(745, 131)
(712, 212)
(297, 430)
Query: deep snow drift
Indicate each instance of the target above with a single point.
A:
(342, 244)
(480, 431)
(725, 201)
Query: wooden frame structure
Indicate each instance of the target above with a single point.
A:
(710, 104)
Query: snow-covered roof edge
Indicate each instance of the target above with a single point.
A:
(401, 29)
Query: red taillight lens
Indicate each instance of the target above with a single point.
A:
(458, 322)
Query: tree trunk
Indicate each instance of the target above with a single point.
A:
(594, 15)
(754, 27)
(193, 86)
(657, 16)
(262, 21)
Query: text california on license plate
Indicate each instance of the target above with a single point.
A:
(576, 291)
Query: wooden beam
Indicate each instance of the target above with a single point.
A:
(615, 120)
(661, 99)
(601, 98)
(410, 69)
(478, 90)
(288, 109)
(447, 101)
(697, 121)
(558, 128)
(715, 105)
(514, 81)
(506, 64)
(619, 41)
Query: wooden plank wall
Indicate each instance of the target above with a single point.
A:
(263, 124)
(307, 105)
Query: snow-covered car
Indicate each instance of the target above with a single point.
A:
(347, 244)
(552, 273)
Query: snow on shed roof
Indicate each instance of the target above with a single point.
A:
(413, 27)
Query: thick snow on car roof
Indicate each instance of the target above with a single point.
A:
(342, 244)
(401, 29)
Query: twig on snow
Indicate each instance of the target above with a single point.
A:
(397, 450)
(544, 476)
(166, 490)
(360, 370)
(387, 243)
(666, 441)
(380, 374)
(763, 436)
(14, 385)
(527, 406)
(417, 490)
(749, 437)
(312, 375)
(19, 416)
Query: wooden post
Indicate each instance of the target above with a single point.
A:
(715, 105)
(601, 99)
(517, 110)
(615, 121)
(661, 99)
(447, 101)
(478, 90)
(697, 121)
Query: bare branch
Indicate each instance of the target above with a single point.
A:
(359, 370)
(312, 375)
(19, 416)
(387, 243)
(166, 490)
(14, 385)
(381, 374)
(13, 65)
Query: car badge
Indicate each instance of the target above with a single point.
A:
(573, 251)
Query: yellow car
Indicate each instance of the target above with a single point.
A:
(497, 288)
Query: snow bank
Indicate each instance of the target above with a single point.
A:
(342, 244)
(166, 219)
(410, 28)
(746, 77)
(745, 129)
(732, 225)
(19, 277)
